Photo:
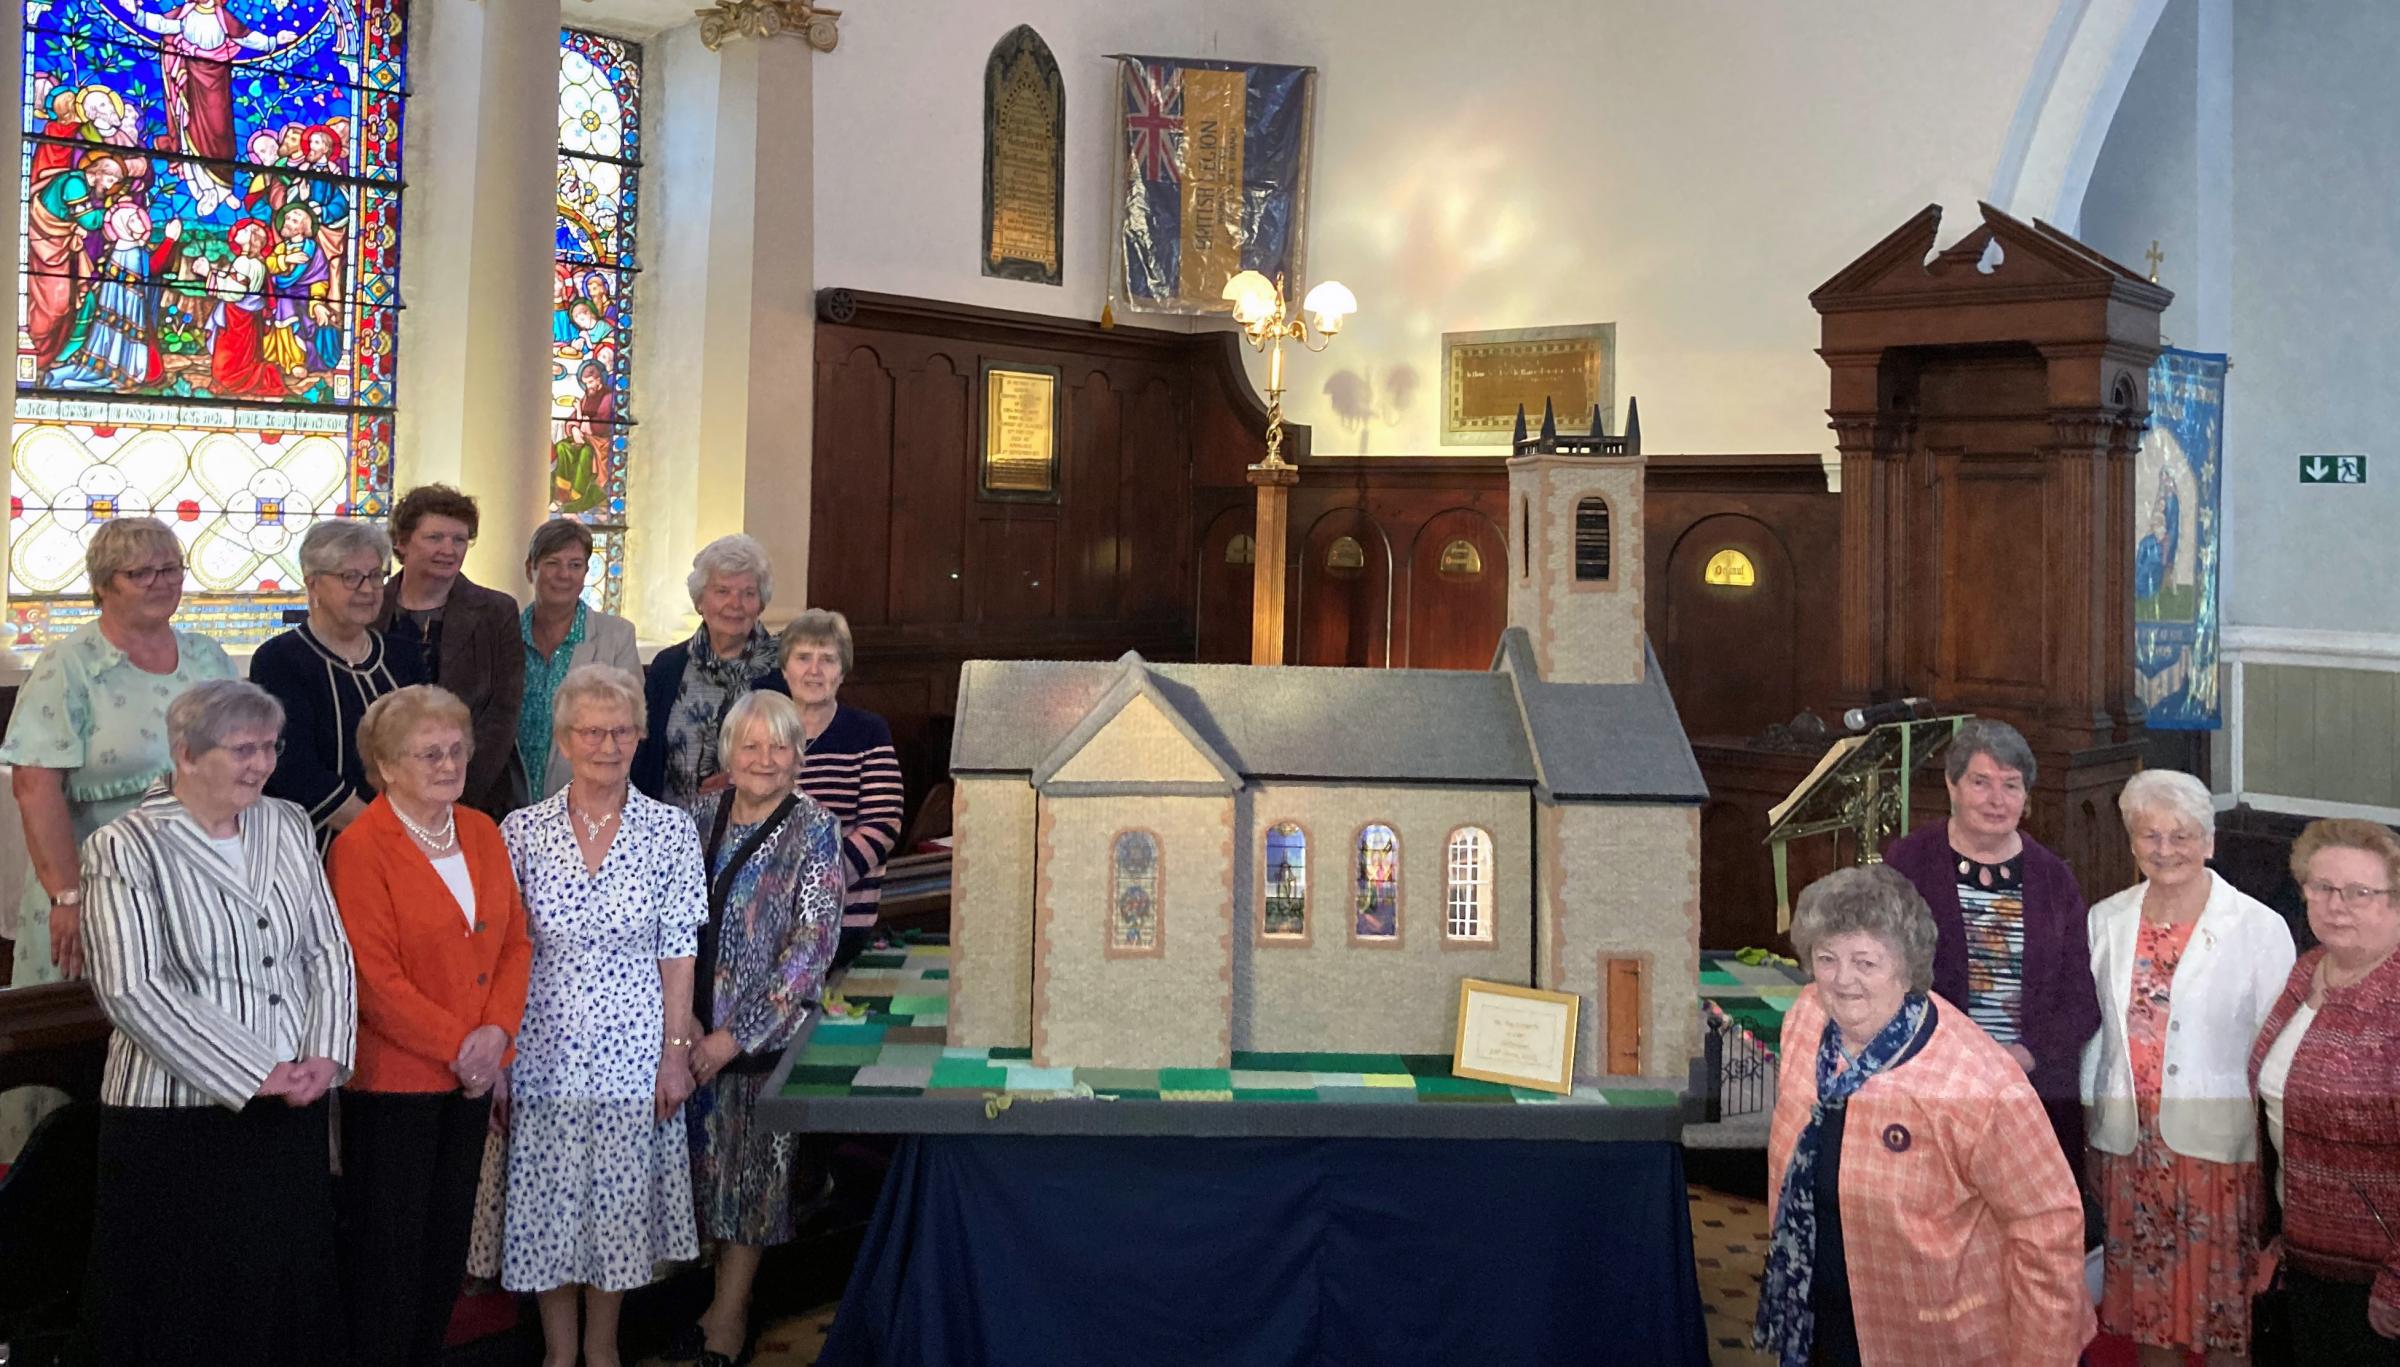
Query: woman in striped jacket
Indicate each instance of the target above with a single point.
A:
(849, 767)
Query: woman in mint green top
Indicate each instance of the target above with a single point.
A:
(89, 731)
(561, 632)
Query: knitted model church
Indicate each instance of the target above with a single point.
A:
(1158, 865)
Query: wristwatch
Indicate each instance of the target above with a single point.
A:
(72, 897)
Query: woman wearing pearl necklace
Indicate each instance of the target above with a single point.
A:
(438, 930)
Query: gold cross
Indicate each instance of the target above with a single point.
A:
(2154, 256)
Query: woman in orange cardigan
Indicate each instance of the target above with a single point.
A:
(426, 893)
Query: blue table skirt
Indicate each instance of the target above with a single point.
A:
(1059, 1252)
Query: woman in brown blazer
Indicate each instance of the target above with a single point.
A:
(427, 895)
(467, 635)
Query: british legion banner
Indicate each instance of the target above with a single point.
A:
(1213, 168)
(2175, 508)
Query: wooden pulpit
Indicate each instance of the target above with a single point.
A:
(1987, 404)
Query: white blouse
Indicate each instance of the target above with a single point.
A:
(2275, 1073)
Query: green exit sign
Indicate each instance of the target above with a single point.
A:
(2333, 469)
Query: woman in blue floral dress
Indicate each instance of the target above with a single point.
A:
(599, 1179)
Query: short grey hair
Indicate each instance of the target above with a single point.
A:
(779, 714)
(1874, 900)
(204, 714)
(609, 684)
(1984, 736)
(123, 542)
(325, 547)
(554, 536)
(734, 554)
(2171, 791)
(816, 627)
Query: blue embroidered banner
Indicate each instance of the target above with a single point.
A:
(2176, 507)
(1213, 159)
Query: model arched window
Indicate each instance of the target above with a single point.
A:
(1591, 539)
(1470, 885)
(1378, 884)
(1133, 910)
(1285, 915)
(592, 322)
(208, 311)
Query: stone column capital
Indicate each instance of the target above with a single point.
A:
(725, 20)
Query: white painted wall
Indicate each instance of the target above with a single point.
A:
(2145, 185)
(1688, 171)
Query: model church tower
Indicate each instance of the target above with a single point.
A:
(1576, 572)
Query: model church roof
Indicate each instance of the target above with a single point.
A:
(1588, 742)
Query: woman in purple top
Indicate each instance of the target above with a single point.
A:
(2012, 952)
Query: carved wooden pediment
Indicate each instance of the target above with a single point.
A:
(1904, 269)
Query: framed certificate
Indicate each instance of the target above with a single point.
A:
(1521, 1036)
(1020, 432)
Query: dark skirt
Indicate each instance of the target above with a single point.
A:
(407, 1201)
(212, 1238)
(2329, 1323)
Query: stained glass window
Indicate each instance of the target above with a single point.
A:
(591, 333)
(1133, 903)
(1286, 911)
(207, 319)
(1378, 884)
(1470, 885)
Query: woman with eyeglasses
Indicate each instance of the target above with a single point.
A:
(599, 1173)
(328, 669)
(2186, 969)
(89, 733)
(2327, 1066)
(438, 931)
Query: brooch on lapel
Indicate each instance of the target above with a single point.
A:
(1896, 1138)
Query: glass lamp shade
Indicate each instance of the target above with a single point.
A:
(1253, 297)
(1331, 302)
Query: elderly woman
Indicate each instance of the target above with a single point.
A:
(599, 1170)
(465, 634)
(2327, 1065)
(692, 685)
(88, 734)
(1919, 1217)
(775, 908)
(2013, 954)
(438, 931)
(561, 633)
(219, 960)
(849, 766)
(326, 670)
(2186, 968)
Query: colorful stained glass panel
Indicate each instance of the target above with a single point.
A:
(592, 319)
(1286, 912)
(1378, 884)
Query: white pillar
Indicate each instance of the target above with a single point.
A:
(725, 362)
(482, 147)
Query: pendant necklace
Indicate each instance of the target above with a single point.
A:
(591, 828)
(439, 841)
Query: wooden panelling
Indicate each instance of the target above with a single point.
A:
(850, 514)
(1455, 594)
(1994, 510)
(1018, 581)
(1222, 630)
(2321, 733)
(1092, 519)
(1344, 612)
(929, 492)
(1155, 493)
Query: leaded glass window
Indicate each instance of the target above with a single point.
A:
(591, 333)
(207, 320)
(1285, 915)
(1470, 885)
(1378, 884)
(1133, 915)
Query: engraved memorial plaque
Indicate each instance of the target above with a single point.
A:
(1486, 375)
(1024, 159)
(1020, 431)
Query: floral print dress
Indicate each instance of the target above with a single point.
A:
(2181, 1239)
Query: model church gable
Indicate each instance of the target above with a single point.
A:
(1135, 741)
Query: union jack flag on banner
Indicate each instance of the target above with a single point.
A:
(1213, 163)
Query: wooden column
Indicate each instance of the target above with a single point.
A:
(1267, 575)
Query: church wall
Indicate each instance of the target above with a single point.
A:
(2146, 179)
(1624, 882)
(1333, 994)
(991, 913)
(1689, 172)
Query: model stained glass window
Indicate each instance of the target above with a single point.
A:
(591, 326)
(1286, 912)
(1133, 905)
(1470, 885)
(207, 304)
(1378, 884)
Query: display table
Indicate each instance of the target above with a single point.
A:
(1289, 1209)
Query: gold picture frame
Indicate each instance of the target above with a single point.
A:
(1517, 1036)
(1486, 375)
(1020, 432)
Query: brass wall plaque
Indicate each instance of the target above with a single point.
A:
(1024, 159)
(1020, 431)
(1486, 375)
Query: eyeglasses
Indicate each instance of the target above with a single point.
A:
(2355, 894)
(2173, 840)
(456, 754)
(354, 580)
(257, 749)
(597, 736)
(143, 576)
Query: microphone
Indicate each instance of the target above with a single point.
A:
(1876, 714)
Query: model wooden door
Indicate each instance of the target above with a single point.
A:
(1624, 1043)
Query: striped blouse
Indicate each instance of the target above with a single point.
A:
(853, 772)
(213, 975)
